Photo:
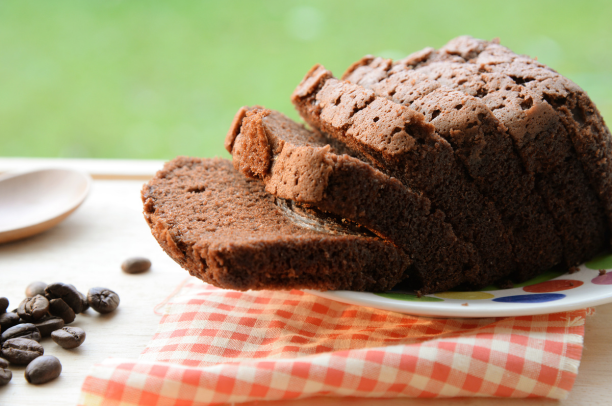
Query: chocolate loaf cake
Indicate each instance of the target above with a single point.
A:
(226, 230)
(401, 143)
(484, 147)
(301, 165)
(451, 168)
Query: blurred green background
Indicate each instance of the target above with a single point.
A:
(155, 79)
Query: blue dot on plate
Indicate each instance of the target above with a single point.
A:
(538, 298)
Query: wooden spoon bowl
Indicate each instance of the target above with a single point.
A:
(33, 202)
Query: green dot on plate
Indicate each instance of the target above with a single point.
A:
(409, 297)
(603, 261)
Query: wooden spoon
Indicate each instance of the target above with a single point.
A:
(33, 202)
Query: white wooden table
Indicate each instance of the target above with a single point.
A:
(87, 250)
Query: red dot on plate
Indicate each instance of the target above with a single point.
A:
(556, 285)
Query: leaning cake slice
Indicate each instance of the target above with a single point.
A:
(300, 165)
(226, 230)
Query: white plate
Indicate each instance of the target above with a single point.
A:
(548, 293)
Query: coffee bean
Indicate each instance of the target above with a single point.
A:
(4, 303)
(83, 297)
(8, 320)
(84, 302)
(136, 265)
(102, 300)
(68, 337)
(49, 324)
(21, 351)
(5, 376)
(33, 308)
(3, 363)
(43, 369)
(59, 308)
(35, 288)
(67, 293)
(25, 330)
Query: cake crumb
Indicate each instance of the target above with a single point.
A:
(573, 269)
(464, 304)
(602, 272)
(571, 283)
(419, 294)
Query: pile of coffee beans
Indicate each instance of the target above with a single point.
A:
(45, 312)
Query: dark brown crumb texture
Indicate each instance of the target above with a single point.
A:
(399, 142)
(298, 164)
(226, 230)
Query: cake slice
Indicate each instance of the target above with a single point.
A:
(400, 143)
(300, 165)
(485, 149)
(226, 230)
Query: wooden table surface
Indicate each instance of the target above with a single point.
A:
(87, 250)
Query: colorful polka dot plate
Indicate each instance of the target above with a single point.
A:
(550, 292)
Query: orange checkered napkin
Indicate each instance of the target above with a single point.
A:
(217, 346)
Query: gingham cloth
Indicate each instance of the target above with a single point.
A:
(217, 346)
